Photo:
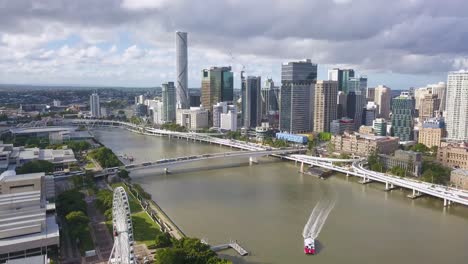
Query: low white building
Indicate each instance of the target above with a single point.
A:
(195, 118)
(229, 119)
(27, 221)
(17, 156)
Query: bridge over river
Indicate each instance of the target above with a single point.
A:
(355, 167)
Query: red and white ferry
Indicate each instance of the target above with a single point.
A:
(309, 246)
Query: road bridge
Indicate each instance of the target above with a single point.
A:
(447, 194)
(177, 161)
(356, 167)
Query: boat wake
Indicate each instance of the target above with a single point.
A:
(319, 216)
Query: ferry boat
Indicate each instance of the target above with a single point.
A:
(309, 246)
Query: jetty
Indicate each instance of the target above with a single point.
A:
(232, 244)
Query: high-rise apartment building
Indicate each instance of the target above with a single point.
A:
(94, 105)
(182, 99)
(429, 105)
(251, 101)
(325, 110)
(457, 105)
(169, 102)
(297, 92)
(370, 94)
(438, 89)
(217, 86)
(382, 98)
(402, 117)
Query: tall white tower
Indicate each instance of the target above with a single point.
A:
(457, 105)
(182, 70)
(94, 105)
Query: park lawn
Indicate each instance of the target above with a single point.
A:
(90, 165)
(135, 206)
(145, 229)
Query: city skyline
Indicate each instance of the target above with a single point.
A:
(131, 43)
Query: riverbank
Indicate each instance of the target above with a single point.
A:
(266, 206)
(154, 212)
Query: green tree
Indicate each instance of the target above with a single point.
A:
(105, 157)
(36, 166)
(170, 256)
(124, 174)
(312, 142)
(398, 171)
(420, 148)
(435, 173)
(69, 201)
(233, 134)
(104, 200)
(379, 167)
(77, 218)
(163, 240)
(325, 136)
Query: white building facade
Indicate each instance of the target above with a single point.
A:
(195, 118)
(94, 105)
(457, 106)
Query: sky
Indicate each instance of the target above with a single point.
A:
(398, 43)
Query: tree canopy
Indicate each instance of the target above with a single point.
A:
(36, 166)
(188, 251)
(435, 173)
(105, 157)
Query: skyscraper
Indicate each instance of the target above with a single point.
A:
(382, 100)
(182, 70)
(457, 105)
(94, 105)
(356, 99)
(380, 127)
(402, 117)
(217, 86)
(341, 76)
(341, 104)
(325, 110)
(169, 102)
(297, 96)
(251, 101)
(369, 114)
(270, 98)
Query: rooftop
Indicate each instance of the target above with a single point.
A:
(30, 130)
(8, 176)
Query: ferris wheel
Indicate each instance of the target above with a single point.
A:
(122, 251)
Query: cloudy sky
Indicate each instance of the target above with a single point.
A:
(400, 43)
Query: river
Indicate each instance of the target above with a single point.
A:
(265, 208)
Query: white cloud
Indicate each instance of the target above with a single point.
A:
(144, 4)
